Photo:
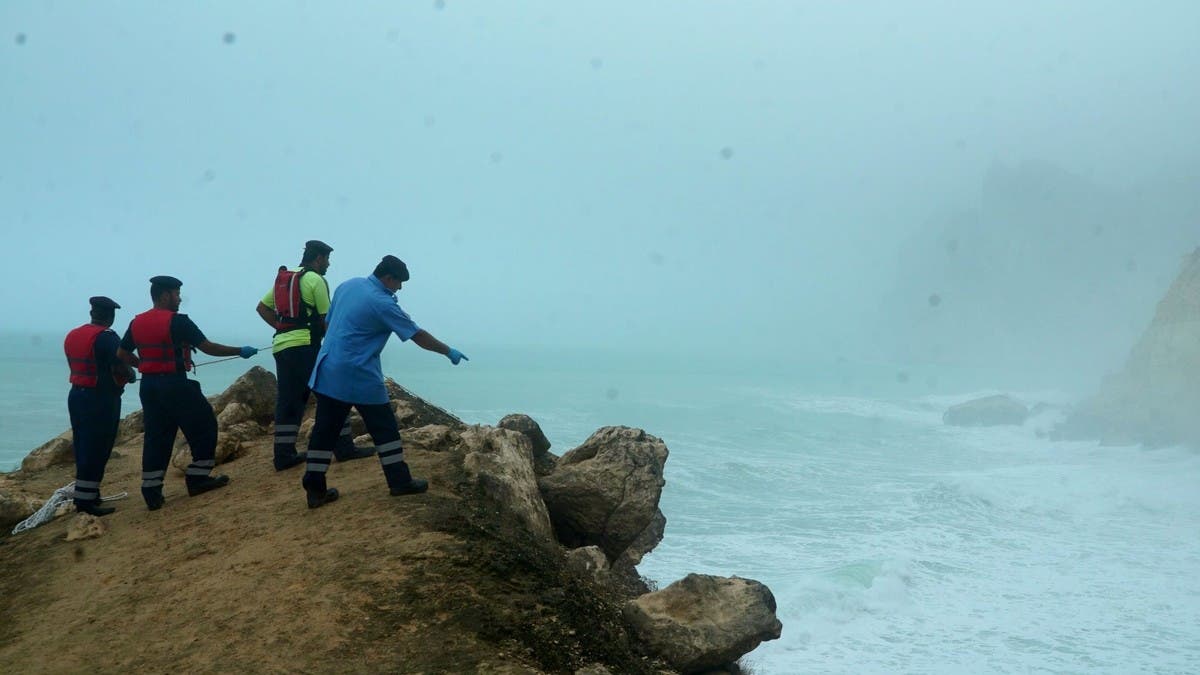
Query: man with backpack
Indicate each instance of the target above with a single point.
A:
(296, 307)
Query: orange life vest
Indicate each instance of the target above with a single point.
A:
(81, 356)
(152, 338)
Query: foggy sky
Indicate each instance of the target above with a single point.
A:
(723, 176)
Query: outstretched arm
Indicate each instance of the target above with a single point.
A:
(425, 340)
(218, 349)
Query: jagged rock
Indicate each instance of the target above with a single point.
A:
(422, 412)
(357, 426)
(589, 560)
(988, 411)
(255, 389)
(306, 428)
(606, 491)
(1155, 398)
(85, 526)
(431, 438)
(228, 448)
(643, 543)
(14, 508)
(364, 441)
(243, 431)
(58, 450)
(704, 622)
(131, 425)
(235, 412)
(500, 463)
(593, 669)
(544, 462)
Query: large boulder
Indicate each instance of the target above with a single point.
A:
(704, 622)
(235, 412)
(431, 438)
(131, 425)
(229, 447)
(989, 411)
(606, 491)
(15, 507)
(500, 465)
(544, 462)
(58, 450)
(255, 389)
(415, 411)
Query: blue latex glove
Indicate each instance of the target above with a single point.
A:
(455, 356)
(247, 352)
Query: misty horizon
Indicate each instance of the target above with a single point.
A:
(755, 179)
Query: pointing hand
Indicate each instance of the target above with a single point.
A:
(455, 356)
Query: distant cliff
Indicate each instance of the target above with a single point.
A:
(1155, 399)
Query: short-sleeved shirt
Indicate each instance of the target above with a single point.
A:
(363, 315)
(105, 351)
(314, 292)
(183, 331)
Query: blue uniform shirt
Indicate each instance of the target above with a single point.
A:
(362, 316)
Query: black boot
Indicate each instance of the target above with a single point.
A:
(288, 461)
(353, 452)
(413, 487)
(317, 500)
(154, 498)
(202, 485)
(93, 507)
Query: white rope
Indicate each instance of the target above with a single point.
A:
(63, 495)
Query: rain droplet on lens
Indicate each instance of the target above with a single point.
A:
(439, 4)
(209, 175)
(902, 377)
(19, 38)
(597, 63)
(229, 38)
(496, 157)
(934, 299)
(952, 246)
(611, 393)
(726, 152)
(656, 257)
(430, 120)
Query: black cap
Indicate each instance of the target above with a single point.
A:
(102, 302)
(166, 281)
(317, 247)
(393, 266)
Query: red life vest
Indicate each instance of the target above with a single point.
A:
(81, 356)
(152, 338)
(291, 312)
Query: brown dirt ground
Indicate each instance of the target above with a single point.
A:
(247, 579)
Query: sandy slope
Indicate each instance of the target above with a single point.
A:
(247, 579)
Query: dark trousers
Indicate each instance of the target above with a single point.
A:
(293, 367)
(381, 424)
(172, 403)
(95, 417)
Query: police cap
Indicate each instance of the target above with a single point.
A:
(102, 302)
(166, 281)
(317, 247)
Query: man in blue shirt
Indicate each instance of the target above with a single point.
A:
(362, 317)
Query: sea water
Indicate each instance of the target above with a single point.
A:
(892, 543)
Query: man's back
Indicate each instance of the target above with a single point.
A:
(362, 316)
